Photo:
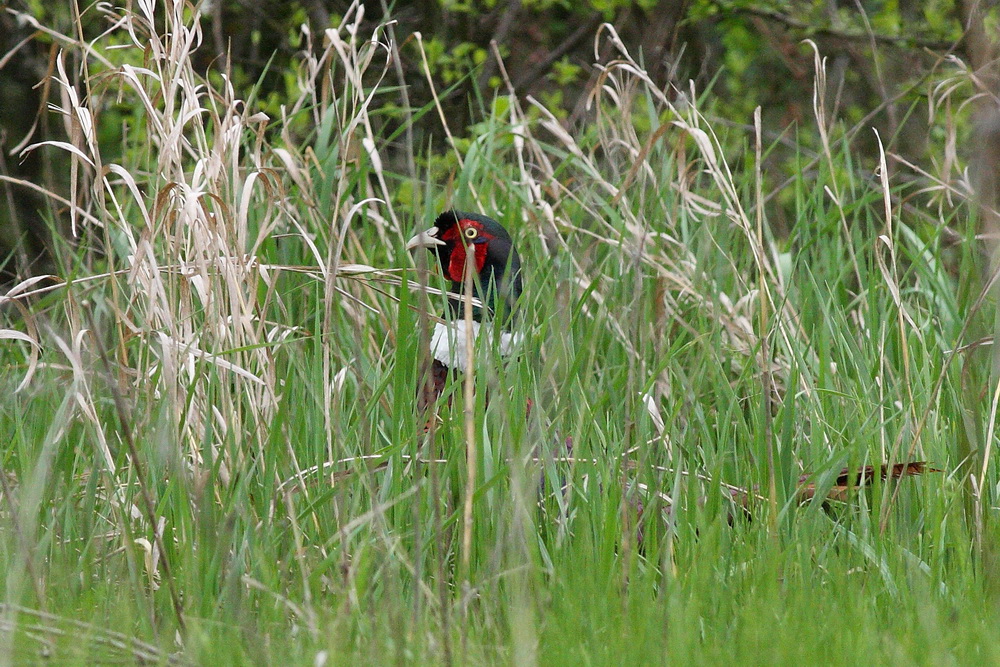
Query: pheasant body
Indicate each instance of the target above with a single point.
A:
(497, 286)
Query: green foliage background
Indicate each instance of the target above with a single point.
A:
(215, 454)
(884, 57)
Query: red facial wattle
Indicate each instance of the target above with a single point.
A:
(455, 235)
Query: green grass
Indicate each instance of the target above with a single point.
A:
(269, 415)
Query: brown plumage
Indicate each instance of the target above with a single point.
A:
(433, 388)
(847, 482)
(746, 501)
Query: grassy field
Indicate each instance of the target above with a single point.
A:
(215, 455)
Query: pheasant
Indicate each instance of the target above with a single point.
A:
(497, 288)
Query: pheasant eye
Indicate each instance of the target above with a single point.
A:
(471, 232)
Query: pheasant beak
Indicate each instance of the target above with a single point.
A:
(425, 239)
